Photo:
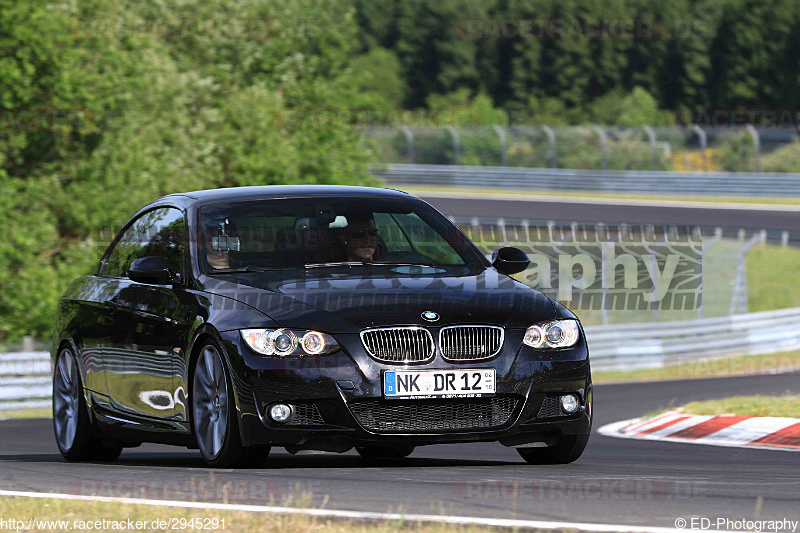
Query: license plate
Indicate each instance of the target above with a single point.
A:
(420, 384)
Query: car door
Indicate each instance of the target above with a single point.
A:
(86, 316)
(149, 321)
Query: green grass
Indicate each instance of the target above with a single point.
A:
(39, 412)
(64, 510)
(705, 368)
(749, 200)
(786, 405)
(773, 278)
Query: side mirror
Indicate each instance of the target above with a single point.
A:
(509, 260)
(152, 270)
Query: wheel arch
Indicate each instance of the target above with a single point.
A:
(204, 333)
(72, 345)
(87, 395)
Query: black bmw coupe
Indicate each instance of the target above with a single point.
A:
(312, 318)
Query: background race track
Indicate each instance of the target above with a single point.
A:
(617, 481)
(611, 212)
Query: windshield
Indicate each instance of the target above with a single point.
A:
(345, 232)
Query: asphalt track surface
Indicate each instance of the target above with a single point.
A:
(616, 481)
(617, 213)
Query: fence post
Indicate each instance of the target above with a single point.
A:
(605, 310)
(501, 227)
(703, 143)
(502, 134)
(603, 144)
(454, 134)
(409, 143)
(475, 229)
(756, 147)
(739, 296)
(651, 136)
(27, 344)
(707, 244)
(526, 227)
(551, 139)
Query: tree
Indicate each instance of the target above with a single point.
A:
(184, 104)
(640, 108)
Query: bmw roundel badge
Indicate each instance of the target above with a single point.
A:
(430, 316)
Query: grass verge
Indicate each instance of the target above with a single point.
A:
(787, 405)
(38, 412)
(746, 365)
(65, 515)
(773, 279)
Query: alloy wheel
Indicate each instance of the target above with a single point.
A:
(66, 399)
(210, 402)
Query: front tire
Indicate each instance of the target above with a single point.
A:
(565, 450)
(71, 423)
(214, 418)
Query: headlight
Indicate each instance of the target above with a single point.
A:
(282, 342)
(555, 334)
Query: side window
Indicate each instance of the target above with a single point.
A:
(159, 232)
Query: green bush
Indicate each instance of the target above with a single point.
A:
(783, 159)
(736, 153)
(580, 148)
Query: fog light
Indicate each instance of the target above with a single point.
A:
(569, 403)
(280, 412)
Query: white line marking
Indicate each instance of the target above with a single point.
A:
(615, 429)
(658, 421)
(751, 429)
(640, 424)
(358, 515)
(683, 424)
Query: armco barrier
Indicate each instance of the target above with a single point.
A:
(25, 377)
(655, 344)
(25, 380)
(613, 181)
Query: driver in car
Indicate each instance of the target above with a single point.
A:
(361, 238)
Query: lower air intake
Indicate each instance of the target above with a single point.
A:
(305, 414)
(550, 407)
(409, 416)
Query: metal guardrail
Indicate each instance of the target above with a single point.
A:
(613, 181)
(25, 380)
(25, 377)
(658, 344)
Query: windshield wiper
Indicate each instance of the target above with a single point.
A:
(426, 265)
(336, 264)
(367, 264)
(248, 268)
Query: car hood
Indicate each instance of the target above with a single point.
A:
(347, 304)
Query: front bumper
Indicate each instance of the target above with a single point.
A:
(325, 390)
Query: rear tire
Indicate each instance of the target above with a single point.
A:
(384, 452)
(565, 450)
(71, 423)
(214, 419)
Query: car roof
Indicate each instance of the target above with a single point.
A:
(194, 198)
